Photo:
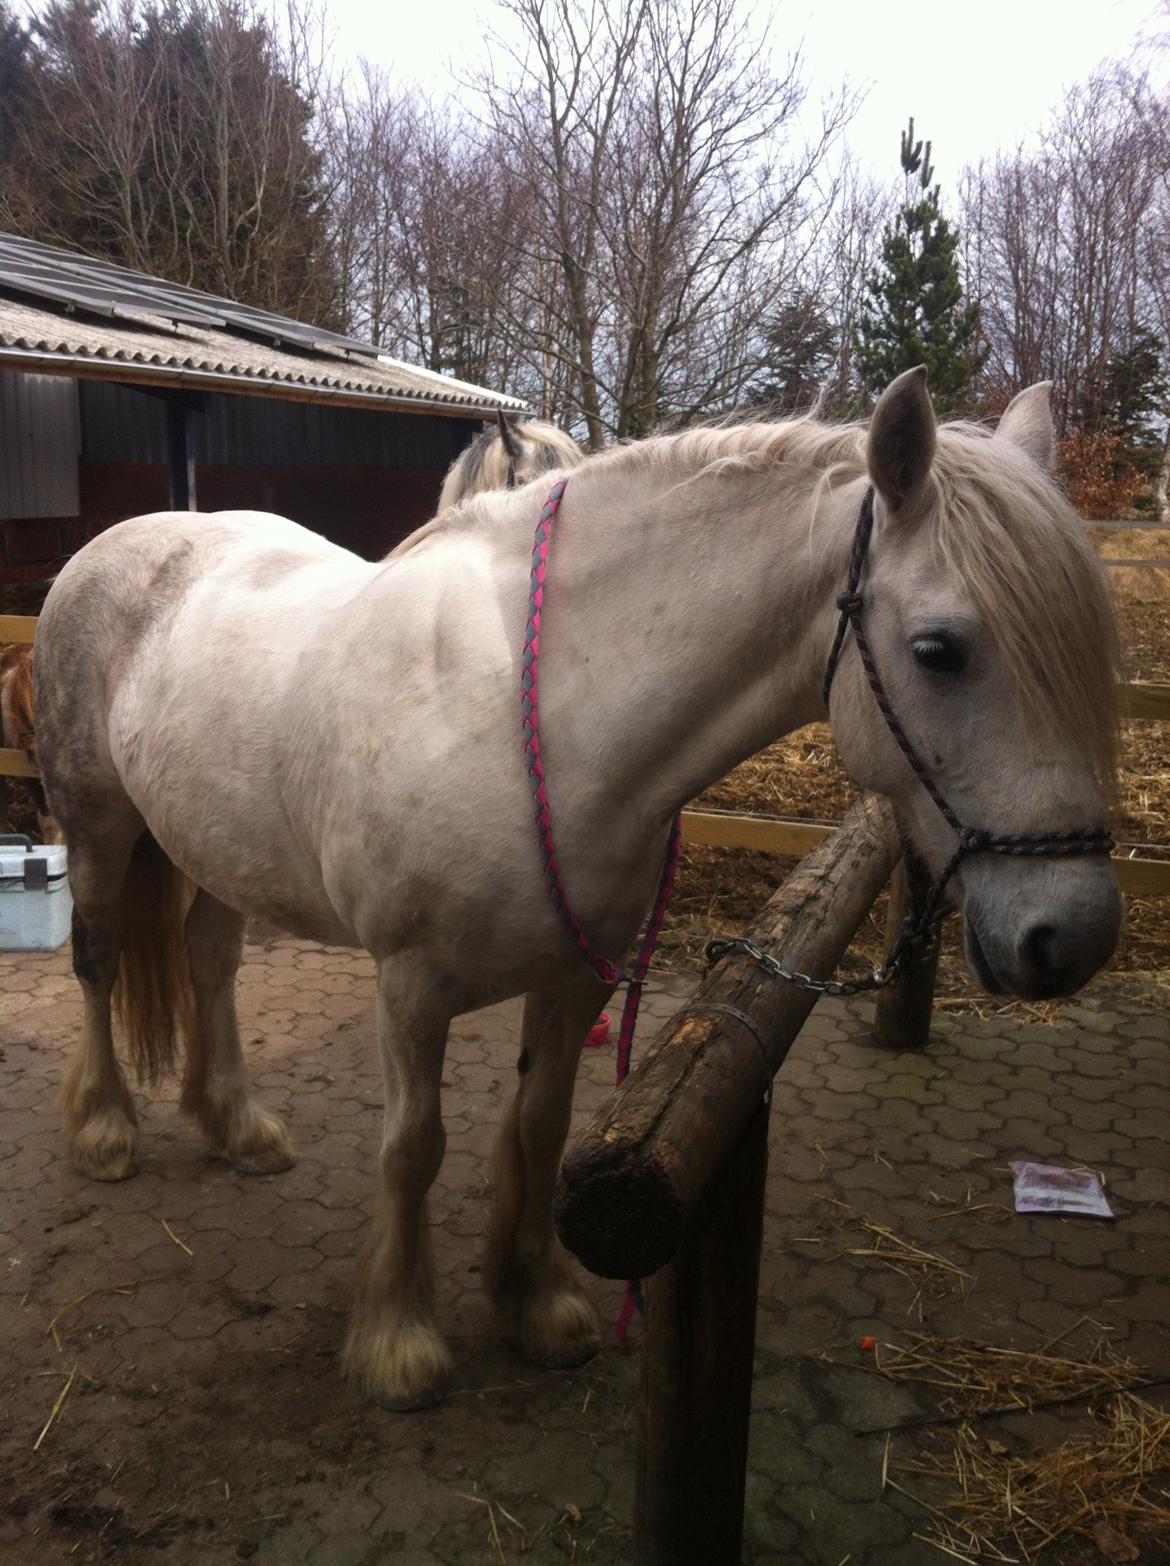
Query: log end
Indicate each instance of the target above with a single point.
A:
(619, 1214)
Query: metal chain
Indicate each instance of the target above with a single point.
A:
(913, 935)
(927, 912)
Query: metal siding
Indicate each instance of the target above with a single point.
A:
(120, 424)
(124, 425)
(38, 446)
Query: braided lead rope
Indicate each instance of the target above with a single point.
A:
(646, 953)
(610, 974)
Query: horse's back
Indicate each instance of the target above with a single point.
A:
(152, 606)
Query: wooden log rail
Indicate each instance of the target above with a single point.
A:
(640, 1165)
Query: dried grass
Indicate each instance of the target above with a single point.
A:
(932, 1274)
(1102, 1486)
(976, 1378)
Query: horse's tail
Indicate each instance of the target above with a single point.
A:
(152, 994)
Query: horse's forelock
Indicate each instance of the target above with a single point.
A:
(1010, 536)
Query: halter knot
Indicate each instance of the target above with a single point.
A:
(850, 603)
(972, 840)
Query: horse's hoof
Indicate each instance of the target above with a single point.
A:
(561, 1331)
(262, 1147)
(430, 1398)
(113, 1169)
(104, 1151)
(402, 1368)
(567, 1358)
(256, 1164)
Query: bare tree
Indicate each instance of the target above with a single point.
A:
(1068, 266)
(671, 194)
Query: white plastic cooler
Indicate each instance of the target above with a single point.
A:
(36, 906)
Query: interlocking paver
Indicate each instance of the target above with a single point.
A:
(208, 1384)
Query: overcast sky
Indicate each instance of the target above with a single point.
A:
(975, 76)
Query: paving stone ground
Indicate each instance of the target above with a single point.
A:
(206, 1421)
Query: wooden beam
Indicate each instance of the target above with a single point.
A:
(15, 764)
(762, 834)
(1147, 701)
(794, 839)
(17, 627)
(636, 1172)
(1142, 877)
(697, 1372)
(181, 450)
(902, 1011)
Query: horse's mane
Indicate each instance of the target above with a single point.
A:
(562, 450)
(998, 522)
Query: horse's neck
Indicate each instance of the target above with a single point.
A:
(687, 625)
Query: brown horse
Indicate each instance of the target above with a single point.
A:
(16, 728)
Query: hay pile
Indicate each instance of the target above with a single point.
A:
(976, 1378)
(1108, 1487)
(987, 1502)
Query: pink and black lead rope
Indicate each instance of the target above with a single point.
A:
(609, 974)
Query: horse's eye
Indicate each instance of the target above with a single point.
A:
(938, 652)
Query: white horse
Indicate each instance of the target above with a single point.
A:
(335, 746)
(506, 456)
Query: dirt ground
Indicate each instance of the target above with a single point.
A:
(185, 1325)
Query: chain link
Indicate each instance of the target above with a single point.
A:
(913, 934)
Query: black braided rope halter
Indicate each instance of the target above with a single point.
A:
(927, 897)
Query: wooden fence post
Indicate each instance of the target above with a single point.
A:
(901, 1019)
(697, 1372)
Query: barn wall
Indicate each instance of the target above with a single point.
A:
(39, 442)
(126, 424)
(368, 512)
(362, 478)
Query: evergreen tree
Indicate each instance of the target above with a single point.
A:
(800, 347)
(1131, 399)
(914, 312)
(174, 137)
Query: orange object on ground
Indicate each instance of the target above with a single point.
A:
(599, 1033)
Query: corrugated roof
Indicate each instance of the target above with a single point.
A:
(87, 318)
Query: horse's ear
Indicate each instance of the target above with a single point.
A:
(1027, 423)
(902, 440)
(507, 435)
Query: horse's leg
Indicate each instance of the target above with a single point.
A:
(394, 1347)
(99, 1113)
(215, 1086)
(528, 1274)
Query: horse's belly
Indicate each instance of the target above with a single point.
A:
(213, 800)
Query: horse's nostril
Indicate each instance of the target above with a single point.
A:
(1039, 952)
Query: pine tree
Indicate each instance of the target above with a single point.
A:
(800, 346)
(915, 312)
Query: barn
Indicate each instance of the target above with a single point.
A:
(122, 394)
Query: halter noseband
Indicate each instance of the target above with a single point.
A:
(971, 840)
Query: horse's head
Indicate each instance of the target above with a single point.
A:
(988, 618)
(510, 455)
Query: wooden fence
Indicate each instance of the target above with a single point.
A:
(1145, 702)
(666, 1184)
